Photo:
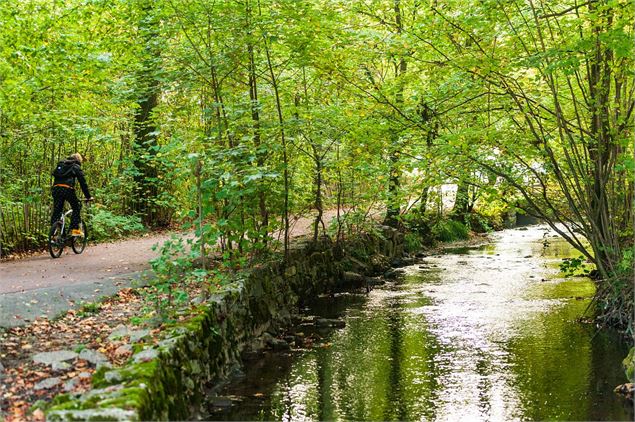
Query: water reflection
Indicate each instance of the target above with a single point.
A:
(479, 334)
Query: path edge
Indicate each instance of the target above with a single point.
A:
(168, 381)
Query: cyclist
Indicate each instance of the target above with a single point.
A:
(63, 189)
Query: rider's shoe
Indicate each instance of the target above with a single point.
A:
(77, 233)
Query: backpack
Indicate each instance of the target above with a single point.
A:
(63, 169)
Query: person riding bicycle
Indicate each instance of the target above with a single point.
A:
(63, 189)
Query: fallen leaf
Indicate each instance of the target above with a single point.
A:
(38, 415)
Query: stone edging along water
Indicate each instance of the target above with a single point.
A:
(168, 381)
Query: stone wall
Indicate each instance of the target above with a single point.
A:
(168, 381)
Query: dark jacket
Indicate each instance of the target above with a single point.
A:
(67, 171)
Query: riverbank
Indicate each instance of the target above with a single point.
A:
(121, 355)
(110, 337)
(81, 304)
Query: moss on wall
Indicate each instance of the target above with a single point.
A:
(167, 381)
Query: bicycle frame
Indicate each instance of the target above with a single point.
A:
(63, 218)
(59, 235)
(68, 213)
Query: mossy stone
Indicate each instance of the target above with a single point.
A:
(629, 365)
(203, 348)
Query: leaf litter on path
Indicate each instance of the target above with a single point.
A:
(24, 381)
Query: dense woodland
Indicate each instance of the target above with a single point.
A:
(234, 117)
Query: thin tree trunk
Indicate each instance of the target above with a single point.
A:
(255, 117)
(461, 204)
(340, 192)
(318, 193)
(199, 202)
(285, 160)
(423, 201)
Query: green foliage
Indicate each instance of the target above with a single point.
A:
(492, 212)
(629, 365)
(415, 222)
(450, 230)
(229, 117)
(412, 242)
(575, 266)
(418, 231)
(172, 265)
(79, 348)
(104, 225)
(354, 221)
(614, 299)
(88, 309)
(479, 223)
(627, 263)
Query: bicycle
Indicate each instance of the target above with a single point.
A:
(59, 235)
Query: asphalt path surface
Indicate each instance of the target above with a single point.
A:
(42, 286)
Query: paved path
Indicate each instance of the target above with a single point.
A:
(42, 286)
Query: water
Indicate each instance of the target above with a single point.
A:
(490, 333)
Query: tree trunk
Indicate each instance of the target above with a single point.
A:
(393, 207)
(283, 139)
(318, 194)
(255, 118)
(423, 200)
(462, 203)
(144, 128)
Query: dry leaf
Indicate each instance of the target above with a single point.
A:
(38, 415)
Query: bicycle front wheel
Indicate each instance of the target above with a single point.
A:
(56, 240)
(79, 243)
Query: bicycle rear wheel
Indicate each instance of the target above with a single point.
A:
(56, 240)
(79, 243)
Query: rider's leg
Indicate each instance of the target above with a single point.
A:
(58, 202)
(71, 197)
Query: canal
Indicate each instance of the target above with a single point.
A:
(485, 333)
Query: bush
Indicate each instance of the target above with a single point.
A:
(450, 230)
(493, 213)
(416, 222)
(479, 223)
(412, 242)
(105, 225)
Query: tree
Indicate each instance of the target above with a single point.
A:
(561, 84)
(148, 90)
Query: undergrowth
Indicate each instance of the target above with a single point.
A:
(104, 225)
(449, 230)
